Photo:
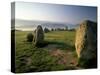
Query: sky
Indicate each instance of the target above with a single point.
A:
(54, 12)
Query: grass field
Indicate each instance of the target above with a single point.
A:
(59, 54)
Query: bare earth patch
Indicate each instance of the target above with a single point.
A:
(65, 57)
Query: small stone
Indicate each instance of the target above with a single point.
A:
(29, 37)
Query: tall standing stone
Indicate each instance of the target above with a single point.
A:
(38, 36)
(86, 44)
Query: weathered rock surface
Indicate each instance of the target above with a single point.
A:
(38, 36)
(86, 44)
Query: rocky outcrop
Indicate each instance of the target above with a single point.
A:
(86, 44)
(38, 36)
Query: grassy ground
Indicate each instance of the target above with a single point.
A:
(59, 54)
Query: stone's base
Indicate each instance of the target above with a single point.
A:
(88, 63)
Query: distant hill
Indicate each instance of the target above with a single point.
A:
(33, 24)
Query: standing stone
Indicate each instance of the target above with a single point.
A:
(86, 44)
(29, 37)
(38, 36)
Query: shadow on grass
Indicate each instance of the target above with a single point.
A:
(61, 45)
